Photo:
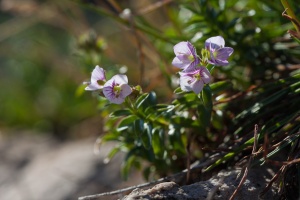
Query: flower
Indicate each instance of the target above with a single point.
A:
(116, 89)
(218, 52)
(186, 56)
(194, 80)
(97, 79)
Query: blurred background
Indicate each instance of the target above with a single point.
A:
(48, 124)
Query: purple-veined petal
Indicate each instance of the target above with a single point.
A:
(120, 79)
(224, 53)
(197, 86)
(117, 100)
(108, 89)
(186, 56)
(182, 48)
(218, 52)
(178, 63)
(98, 74)
(205, 75)
(218, 62)
(125, 90)
(190, 81)
(215, 42)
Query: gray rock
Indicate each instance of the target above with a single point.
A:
(219, 187)
(36, 166)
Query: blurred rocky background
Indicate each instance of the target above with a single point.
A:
(37, 167)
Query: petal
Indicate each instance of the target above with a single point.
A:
(98, 74)
(125, 90)
(182, 48)
(108, 93)
(218, 62)
(178, 63)
(197, 86)
(185, 83)
(215, 42)
(224, 53)
(120, 79)
(118, 100)
(93, 86)
(205, 75)
(192, 66)
(108, 90)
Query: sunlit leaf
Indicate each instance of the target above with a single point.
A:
(147, 136)
(126, 121)
(141, 100)
(118, 113)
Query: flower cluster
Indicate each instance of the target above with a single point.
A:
(194, 74)
(115, 90)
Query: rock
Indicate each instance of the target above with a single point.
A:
(219, 187)
(35, 166)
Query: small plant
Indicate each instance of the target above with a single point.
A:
(159, 133)
(217, 104)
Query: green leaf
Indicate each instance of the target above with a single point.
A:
(114, 136)
(220, 86)
(204, 118)
(232, 23)
(162, 108)
(207, 98)
(112, 153)
(287, 141)
(152, 98)
(126, 121)
(261, 104)
(158, 142)
(118, 113)
(147, 136)
(220, 161)
(128, 163)
(190, 97)
(138, 127)
(185, 122)
(178, 91)
(147, 172)
(139, 102)
(176, 141)
(80, 90)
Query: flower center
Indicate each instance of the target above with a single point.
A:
(215, 53)
(191, 58)
(117, 90)
(197, 76)
(205, 53)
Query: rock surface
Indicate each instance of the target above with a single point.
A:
(219, 187)
(35, 167)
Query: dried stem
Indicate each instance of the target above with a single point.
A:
(249, 163)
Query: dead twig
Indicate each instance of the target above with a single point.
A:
(248, 165)
(275, 177)
(283, 164)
